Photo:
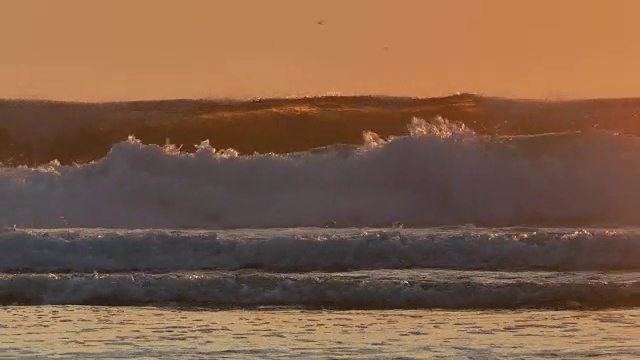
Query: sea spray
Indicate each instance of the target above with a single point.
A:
(440, 173)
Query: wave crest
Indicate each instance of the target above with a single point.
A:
(360, 290)
(307, 250)
(441, 173)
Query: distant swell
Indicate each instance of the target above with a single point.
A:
(305, 250)
(364, 290)
(36, 132)
(440, 173)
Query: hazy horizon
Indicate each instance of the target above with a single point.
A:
(119, 51)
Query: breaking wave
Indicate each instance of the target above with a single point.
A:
(440, 173)
(305, 250)
(354, 290)
(541, 211)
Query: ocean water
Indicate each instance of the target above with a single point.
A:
(444, 242)
(81, 332)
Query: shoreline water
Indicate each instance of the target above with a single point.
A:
(113, 332)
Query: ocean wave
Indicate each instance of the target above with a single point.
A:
(441, 173)
(305, 250)
(360, 290)
(36, 132)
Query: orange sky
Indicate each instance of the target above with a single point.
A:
(119, 49)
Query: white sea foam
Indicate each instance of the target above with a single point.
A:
(441, 173)
(295, 250)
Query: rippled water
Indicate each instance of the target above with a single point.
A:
(172, 333)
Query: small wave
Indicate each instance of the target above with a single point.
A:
(298, 250)
(364, 290)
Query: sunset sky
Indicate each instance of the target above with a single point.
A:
(122, 50)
